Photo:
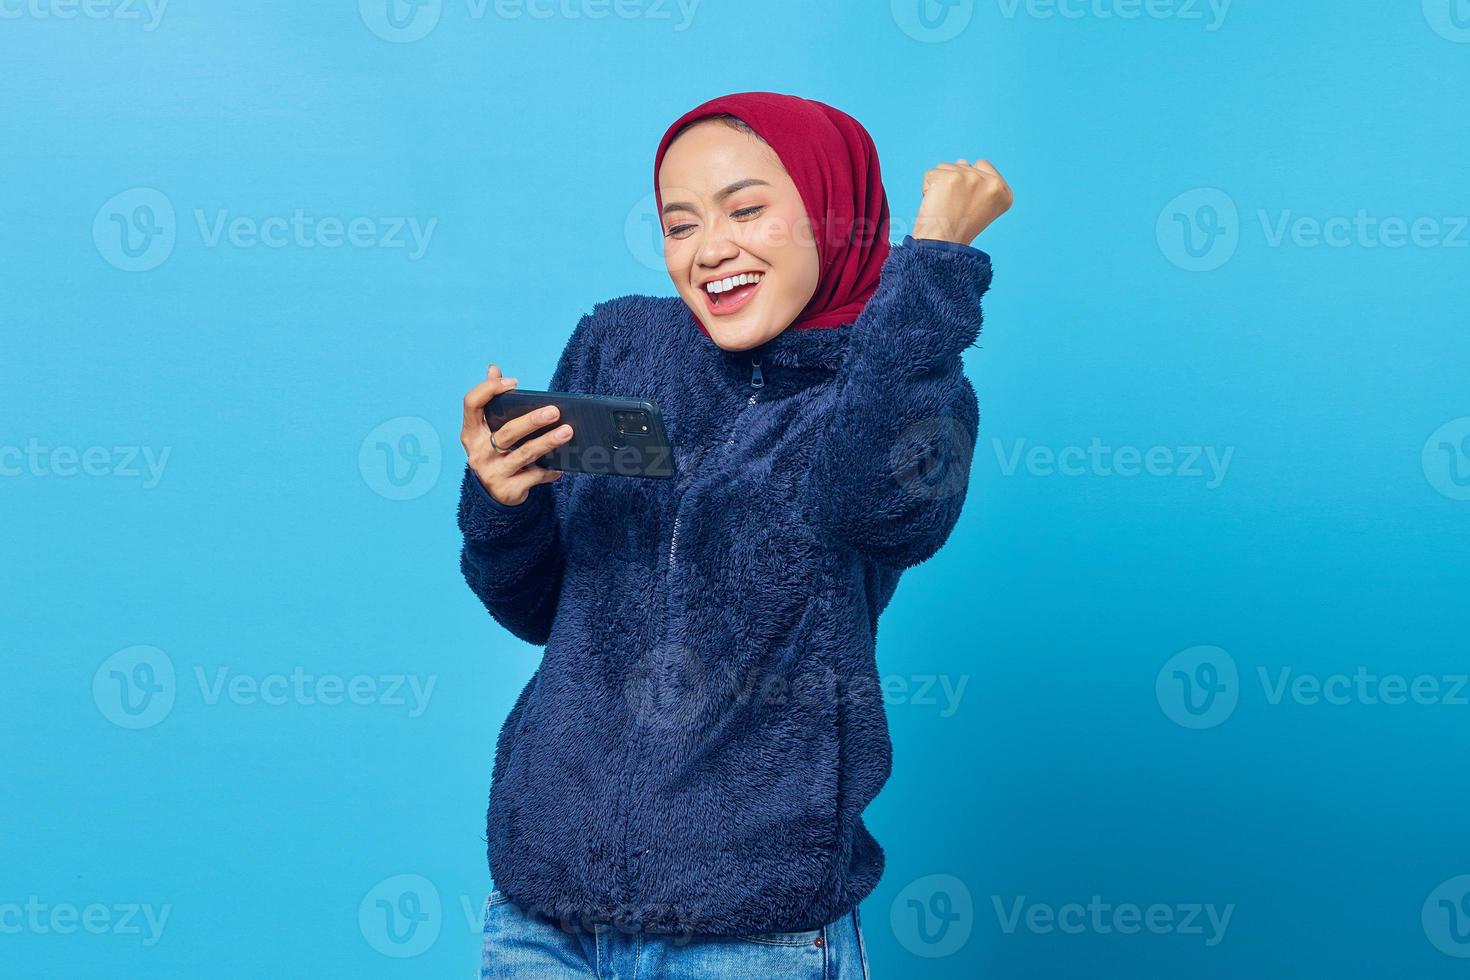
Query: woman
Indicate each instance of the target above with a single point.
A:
(678, 790)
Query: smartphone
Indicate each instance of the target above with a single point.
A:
(610, 436)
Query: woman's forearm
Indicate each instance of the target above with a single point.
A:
(891, 473)
(512, 557)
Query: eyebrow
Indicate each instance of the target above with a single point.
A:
(720, 195)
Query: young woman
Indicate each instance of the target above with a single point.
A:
(678, 790)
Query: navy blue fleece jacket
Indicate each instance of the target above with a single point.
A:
(697, 746)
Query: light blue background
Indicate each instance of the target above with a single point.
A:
(1336, 539)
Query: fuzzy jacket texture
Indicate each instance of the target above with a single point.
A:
(694, 753)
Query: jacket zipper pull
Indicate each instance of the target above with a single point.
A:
(757, 380)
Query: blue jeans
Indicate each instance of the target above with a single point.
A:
(524, 945)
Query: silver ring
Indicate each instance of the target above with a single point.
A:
(493, 443)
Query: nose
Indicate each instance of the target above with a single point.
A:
(716, 247)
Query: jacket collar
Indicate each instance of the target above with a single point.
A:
(820, 349)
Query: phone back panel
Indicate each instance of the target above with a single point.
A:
(610, 436)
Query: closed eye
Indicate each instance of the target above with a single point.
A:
(743, 214)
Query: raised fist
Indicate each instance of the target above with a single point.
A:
(961, 200)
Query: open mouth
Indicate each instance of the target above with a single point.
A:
(726, 296)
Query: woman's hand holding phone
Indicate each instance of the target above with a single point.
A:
(508, 474)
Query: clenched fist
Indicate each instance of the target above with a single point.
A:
(960, 201)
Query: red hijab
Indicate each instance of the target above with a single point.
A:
(834, 164)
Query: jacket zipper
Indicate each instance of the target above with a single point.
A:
(757, 381)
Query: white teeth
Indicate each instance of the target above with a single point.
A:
(725, 285)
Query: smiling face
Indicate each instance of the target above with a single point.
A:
(737, 239)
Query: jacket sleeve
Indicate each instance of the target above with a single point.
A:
(513, 557)
(890, 474)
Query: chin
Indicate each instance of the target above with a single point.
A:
(741, 331)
